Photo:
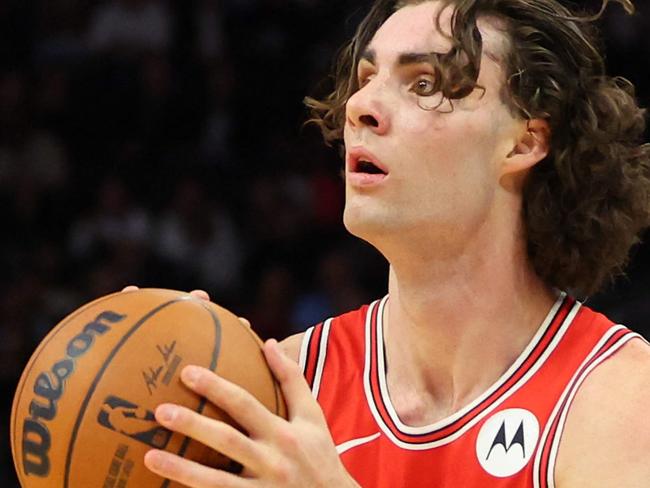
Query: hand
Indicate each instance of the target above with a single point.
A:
(277, 453)
(200, 294)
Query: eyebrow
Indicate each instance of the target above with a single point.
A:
(404, 58)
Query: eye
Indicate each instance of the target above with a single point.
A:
(365, 72)
(423, 87)
(363, 80)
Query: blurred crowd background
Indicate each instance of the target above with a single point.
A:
(161, 143)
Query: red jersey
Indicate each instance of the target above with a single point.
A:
(506, 438)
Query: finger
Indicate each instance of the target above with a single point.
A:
(130, 288)
(243, 407)
(296, 392)
(212, 433)
(190, 473)
(244, 321)
(201, 294)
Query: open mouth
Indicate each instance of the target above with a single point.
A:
(364, 169)
(368, 167)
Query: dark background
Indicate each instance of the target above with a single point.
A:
(160, 143)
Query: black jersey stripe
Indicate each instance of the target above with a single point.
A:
(460, 422)
(322, 356)
(312, 355)
(544, 468)
(535, 357)
(304, 350)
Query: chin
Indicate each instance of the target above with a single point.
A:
(367, 225)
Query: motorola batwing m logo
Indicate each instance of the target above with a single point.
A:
(506, 442)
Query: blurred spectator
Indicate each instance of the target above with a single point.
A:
(27, 154)
(270, 312)
(216, 141)
(337, 291)
(112, 220)
(210, 38)
(52, 99)
(130, 27)
(61, 25)
(38, 156)
(156, 117)
(279, 207)
(197, 238)
(200, 103)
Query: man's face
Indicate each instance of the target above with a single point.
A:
(439, 168)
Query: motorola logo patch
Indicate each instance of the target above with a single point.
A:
(507, 441)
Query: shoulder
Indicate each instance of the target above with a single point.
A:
(606, 440)
(291, 346)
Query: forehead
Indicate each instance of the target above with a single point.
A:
(413, 28)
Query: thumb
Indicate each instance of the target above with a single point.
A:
(297, 394)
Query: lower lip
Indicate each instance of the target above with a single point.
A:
(365, 179)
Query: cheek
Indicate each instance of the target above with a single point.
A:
(456, 131)
(439, 145)
(422, 124)
(346, 132)
(453, 156)
(460, 140)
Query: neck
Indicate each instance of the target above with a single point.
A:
(454, 326)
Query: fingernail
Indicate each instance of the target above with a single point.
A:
(190, 375)
(166, 413)
(154, 460)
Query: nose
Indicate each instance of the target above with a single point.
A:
(365, 109)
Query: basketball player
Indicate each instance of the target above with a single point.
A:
(493, 163)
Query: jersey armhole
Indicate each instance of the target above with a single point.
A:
(313, 352)
(304, 346)
(545, 459)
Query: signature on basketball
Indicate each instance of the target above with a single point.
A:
(167, 368)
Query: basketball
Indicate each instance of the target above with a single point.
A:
(83, 412)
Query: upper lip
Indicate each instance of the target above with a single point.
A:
(358, 153)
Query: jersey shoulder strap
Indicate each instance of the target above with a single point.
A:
(335, 342)
(605, 339)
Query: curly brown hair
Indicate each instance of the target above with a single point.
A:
(586, 203)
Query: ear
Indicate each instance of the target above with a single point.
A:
(530, 148)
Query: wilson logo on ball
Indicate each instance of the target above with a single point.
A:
(48, 388)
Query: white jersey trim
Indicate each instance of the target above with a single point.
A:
(322, 354)
(304, 347)
(359, 441)
(570, 391)
(409, 430)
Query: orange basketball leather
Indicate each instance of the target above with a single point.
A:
(83, 412)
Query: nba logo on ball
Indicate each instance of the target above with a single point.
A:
(507, 441)
(83, 413)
